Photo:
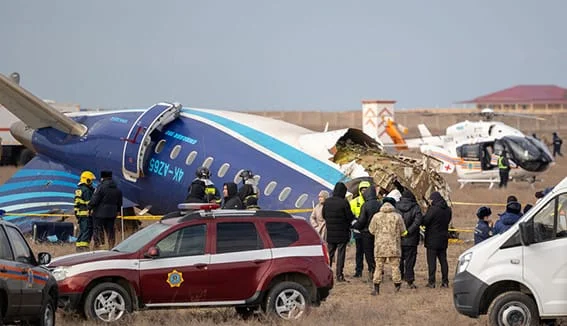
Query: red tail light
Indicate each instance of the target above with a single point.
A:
(326, 253)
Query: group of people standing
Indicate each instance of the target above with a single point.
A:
(96, 210)
(486, 227)
(203, 190)
(385, 230)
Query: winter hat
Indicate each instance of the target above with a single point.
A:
(514, 207)
(106, 174)
(511, 198)
(483, 212)
(389, 200)
(324, 194)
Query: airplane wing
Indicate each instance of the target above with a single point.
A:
(34, 112)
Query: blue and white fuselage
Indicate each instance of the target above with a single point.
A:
(289, 173)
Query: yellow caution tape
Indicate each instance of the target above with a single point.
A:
(461, 230)
(475, 204)
(299, 210)
(132, 217)
(158, 217)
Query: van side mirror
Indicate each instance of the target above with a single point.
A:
(44, 258)
(153, 252)
(526, 233)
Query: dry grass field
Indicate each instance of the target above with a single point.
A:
(350, 303)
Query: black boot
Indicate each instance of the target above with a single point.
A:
(376, 290)
(411, 285)
(398, 286)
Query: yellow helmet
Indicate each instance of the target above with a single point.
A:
(87, 177)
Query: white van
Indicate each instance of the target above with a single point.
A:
(519, 277)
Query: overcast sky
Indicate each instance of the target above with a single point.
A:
(286, 54)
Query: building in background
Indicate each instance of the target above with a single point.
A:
(524, 98)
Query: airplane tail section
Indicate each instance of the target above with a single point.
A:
(34, 112)
(40, 187)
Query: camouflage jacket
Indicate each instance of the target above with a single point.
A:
(388, 227)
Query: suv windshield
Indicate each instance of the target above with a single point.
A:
(139, 239)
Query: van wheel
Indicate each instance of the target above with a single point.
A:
(513, 308)
(107, 302)
(289, 301)
(47, 315)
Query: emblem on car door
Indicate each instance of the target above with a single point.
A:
(175, 278)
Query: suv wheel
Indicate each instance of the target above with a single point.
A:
(513, 308)
(47, 316)
(288, 300)
(107, 302)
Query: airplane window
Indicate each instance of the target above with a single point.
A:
(284, 194)
(270, 188)
(160, 145)
(175, 152)
(301, 200)
(223, 169)
(190, 158)
(237, 178)
(208, 161)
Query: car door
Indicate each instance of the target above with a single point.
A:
(239, 261)
(179, 273)
(10, 278)
(545, 261)
(24, 263)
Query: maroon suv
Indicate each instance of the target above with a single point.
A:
(252, 260)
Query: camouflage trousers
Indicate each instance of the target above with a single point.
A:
(394, 264)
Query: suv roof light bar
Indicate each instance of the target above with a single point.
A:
(207, 207)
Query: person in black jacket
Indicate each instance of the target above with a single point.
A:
(231, 199)
(411, 213)
(338, 216)
(436, 222)
(105, 205)
(370, 207)
(196, 192)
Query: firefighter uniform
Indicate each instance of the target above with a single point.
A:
(83, 195)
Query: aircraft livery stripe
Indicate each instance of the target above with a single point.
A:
(280, 148)
(35, 183)
(30, 195)
(177, 262)
(36, 173)
(12, 208)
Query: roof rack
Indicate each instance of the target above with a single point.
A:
(229, 213)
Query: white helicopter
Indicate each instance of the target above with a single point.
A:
(472, 149)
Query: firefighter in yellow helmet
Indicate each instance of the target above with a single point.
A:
(83, 195)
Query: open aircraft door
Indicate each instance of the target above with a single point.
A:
(138, 140)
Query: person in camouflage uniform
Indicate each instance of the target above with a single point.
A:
(388, 227)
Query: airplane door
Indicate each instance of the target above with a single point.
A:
(545, 262)
(138, 140)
